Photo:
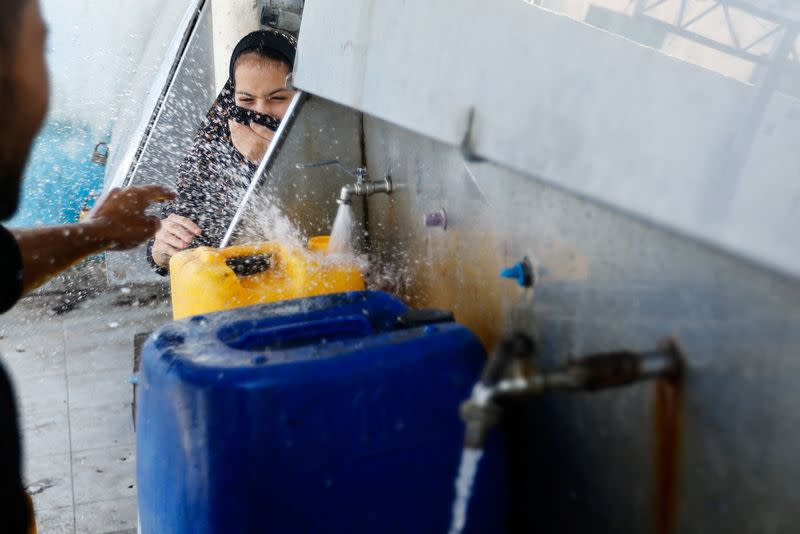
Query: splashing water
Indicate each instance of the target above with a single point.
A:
(342, 232)
(266, 222)
(470, 459)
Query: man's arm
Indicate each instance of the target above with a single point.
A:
(118, 222)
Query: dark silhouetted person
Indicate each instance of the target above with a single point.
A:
(30, 257)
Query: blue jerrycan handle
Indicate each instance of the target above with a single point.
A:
(303, 333)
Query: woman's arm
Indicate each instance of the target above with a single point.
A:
(178, 228)
(118, 222)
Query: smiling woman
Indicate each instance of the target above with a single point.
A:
(232, 140)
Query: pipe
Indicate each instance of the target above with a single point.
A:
(231, 20)
(590, 373)
(596, 372)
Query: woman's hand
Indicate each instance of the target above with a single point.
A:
(176, 233)
(251, 141)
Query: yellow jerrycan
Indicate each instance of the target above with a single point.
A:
(206, 279)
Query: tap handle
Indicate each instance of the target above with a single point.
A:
(517, 346)
(360, 173)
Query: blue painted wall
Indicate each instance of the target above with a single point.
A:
(60, 175)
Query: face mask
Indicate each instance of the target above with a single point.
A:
(247, 116)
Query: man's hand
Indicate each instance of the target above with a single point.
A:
(119, 218)
(251, 141)
(118, 222)
(176, 233)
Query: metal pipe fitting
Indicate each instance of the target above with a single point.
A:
(479, 412)
(595, 372)
(589, 373)
(364, 188)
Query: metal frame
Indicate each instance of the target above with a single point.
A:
(780, 26)
(166, 81)
(266, 162)
(766, 77)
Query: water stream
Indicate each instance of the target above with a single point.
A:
(470, 459)
(341, 241)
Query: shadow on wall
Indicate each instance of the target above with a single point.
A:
(60, 175)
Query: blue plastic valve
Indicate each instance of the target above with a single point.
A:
(519, 272)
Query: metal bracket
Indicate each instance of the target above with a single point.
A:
(282, 14)
(467, 152)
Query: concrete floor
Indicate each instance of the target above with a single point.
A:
(71, 372)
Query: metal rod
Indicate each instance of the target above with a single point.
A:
(359, 172)
(323, 164)
(590, 373)
(266, 161)
(596, 372)
(193, 14)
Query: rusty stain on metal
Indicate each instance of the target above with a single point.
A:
(667, 416)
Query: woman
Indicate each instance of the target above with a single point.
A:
(228, 147)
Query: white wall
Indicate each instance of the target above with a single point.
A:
(232, 20)
(94, 48)
(727, 38)
(577, 106)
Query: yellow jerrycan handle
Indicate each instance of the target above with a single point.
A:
(250, 260)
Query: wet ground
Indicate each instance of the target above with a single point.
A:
(70, 356)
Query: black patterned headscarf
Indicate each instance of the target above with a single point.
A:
(214, 175)
(272, 44)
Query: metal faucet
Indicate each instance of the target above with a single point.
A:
(363, 186)
(589, 373)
